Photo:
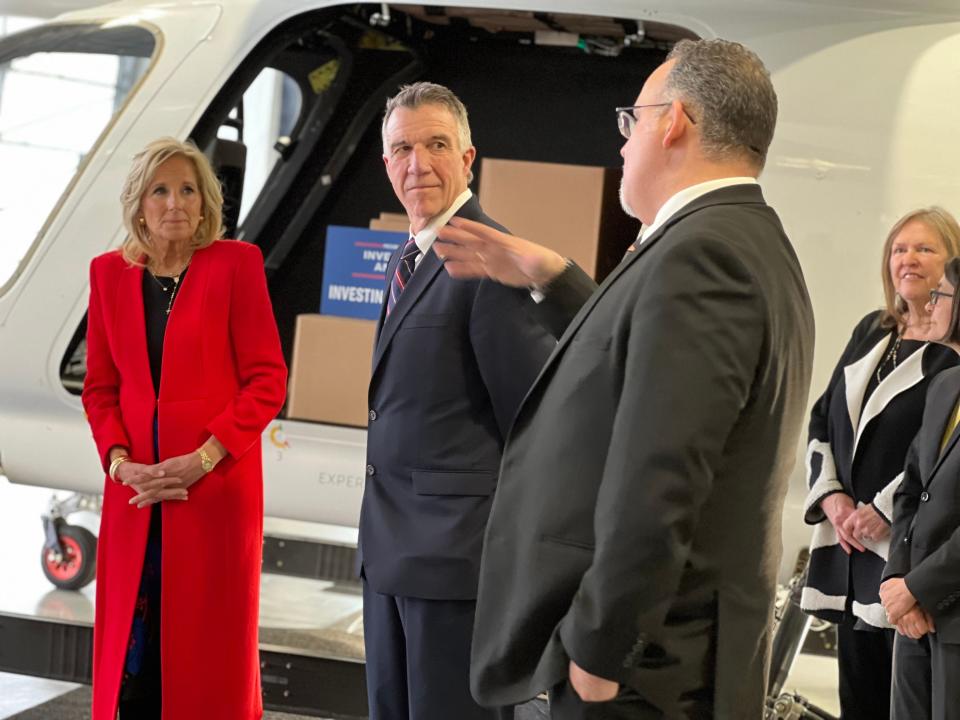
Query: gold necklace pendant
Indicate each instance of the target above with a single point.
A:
(175, 287)
(171, 290)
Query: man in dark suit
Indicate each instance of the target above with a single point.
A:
(452, 361)
(631, 555)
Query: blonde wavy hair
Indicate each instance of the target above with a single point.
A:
(944, 225)
(145, 163)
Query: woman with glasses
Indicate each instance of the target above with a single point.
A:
(921, 584)
(859, 432)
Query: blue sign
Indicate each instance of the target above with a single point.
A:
(355, 270)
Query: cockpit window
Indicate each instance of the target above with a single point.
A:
(61, 86)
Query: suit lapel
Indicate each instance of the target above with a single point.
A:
(903, 377)
(942, 406)
(856, 378)
(391, 269)
(421, 279)
(184, 325)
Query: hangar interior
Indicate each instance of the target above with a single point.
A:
(295, 133)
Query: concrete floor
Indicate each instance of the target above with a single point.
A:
(307, 614)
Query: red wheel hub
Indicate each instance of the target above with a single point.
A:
(69, 564)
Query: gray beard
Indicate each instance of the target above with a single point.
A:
(624, 204)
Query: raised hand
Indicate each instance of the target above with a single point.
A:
(472, 250)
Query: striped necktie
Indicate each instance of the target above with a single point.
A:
(402, 274)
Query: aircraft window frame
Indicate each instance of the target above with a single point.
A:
(43, 39)
(206, 134)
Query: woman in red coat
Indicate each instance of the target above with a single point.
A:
(184, 371)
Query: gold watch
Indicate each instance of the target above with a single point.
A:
(206, 463)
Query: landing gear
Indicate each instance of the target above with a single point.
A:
(790, 706)
(69, 554)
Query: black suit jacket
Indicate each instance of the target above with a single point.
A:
(636, 528)
(925, 546)
(450, 366)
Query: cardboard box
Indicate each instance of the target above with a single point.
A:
(392, 222)
(376, 224)
(330, 372)
(574, 209)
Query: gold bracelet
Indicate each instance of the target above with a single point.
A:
(117, 462)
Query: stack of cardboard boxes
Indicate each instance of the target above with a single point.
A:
(573, 209)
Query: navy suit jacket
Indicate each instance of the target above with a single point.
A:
(451, 365)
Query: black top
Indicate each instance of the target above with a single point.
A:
(159, 294)
(893, 355)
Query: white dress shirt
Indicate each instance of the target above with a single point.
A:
(686, 196)
(428, 234)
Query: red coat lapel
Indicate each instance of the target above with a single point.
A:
(129, 327)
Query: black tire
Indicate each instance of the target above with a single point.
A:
(78, 566)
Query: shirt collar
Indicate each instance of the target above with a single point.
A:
(686, 196)
(428, 234)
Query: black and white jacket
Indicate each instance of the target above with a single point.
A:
(858, 448)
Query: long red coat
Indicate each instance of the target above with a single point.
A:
(223, 375)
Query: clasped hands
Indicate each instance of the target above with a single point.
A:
(853, 524)
(903, 611)
(167, 480)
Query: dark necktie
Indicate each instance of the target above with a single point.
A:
(401, 275)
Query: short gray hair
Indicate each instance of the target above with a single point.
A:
(729, 92)
(427, 93)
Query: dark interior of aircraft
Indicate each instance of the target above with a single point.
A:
(529, 97)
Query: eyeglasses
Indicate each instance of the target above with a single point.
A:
(935, 295)
(627, 119)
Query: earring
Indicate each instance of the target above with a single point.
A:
(899, 303)
(142, 221)
(201, 218)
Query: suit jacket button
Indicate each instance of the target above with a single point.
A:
(371, 471)
(924, 496)
(373, 415)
